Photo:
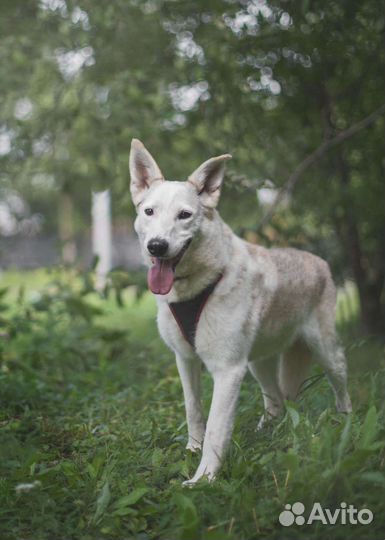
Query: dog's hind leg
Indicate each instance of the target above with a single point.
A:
(265, 371)
(332, 359)
(336, 372)
(293, 369)
(320, 336)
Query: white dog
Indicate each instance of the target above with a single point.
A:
(230, 304)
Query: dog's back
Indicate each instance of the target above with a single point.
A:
(299, 281)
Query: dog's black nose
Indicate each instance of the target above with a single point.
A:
(157, 247)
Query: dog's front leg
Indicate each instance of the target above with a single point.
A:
(190, 373)
(227, 383)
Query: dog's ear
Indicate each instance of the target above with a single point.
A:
(144, 171)
(208, 178)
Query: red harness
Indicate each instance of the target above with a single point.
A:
(188, 312)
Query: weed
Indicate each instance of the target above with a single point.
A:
(93, 433)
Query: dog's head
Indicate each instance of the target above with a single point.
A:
(170, 213)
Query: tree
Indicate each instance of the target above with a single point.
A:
(268, 81)
(283, 77)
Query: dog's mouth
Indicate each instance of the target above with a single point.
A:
(161, 275)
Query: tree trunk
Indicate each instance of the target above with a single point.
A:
(101, 235)
(369, 278)
(370, 281)
(373, 316)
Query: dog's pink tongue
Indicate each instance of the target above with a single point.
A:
(160, 277)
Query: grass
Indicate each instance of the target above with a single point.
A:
(93, 433)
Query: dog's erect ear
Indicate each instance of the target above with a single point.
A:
(143, 170)
(208, 178)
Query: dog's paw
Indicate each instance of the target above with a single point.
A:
(267, 419)
(188, 483)
(262, 423)
(194, 446)
(195, 479)
(207, 470)
(344, 405)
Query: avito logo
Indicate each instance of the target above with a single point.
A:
(293, 514)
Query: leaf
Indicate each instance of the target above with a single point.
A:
(91, 470)
(3, 291)
(356, 460)
(132, 498)
(95, 262)
(119, 297)
(345, 435)
(102, 503)
(293, 413)
(374, 477)
(189, 517)
(77, 307)
(125, 511)
(290, 460)
(265, 458)
(157, 457)
(369, 428)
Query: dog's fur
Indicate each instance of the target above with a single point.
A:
(272, 311)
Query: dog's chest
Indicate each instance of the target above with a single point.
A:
(222, 327)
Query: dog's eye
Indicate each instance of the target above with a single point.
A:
(184, 214)
(148, 211)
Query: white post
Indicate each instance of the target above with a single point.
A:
(101, 235)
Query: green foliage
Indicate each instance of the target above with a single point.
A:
(267, 81)
(93, 433)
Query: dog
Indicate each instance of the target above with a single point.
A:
(230, 304)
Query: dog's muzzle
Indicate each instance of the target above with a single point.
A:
(160, 277)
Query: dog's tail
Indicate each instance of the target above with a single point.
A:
(293, 369)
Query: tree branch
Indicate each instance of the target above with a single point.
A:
(315, 156)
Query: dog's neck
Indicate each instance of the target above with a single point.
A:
(206, 258)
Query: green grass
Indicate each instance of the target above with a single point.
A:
(92, 419)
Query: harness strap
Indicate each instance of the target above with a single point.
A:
(188, 312)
